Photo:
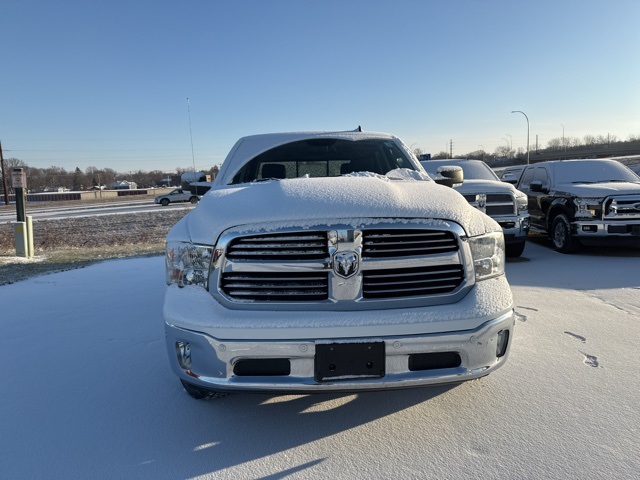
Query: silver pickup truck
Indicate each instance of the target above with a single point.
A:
(500, 200)
(330, 261)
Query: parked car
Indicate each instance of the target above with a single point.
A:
(512, 174)
(583, 201)
(177, 195)
(501, 201)
(330, 261)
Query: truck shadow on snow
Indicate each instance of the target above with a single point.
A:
(240, 428)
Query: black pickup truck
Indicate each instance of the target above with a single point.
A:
(583, 202)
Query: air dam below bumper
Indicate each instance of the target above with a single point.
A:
(213, 362)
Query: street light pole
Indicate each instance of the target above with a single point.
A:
(525, 116)
(563, 145)
(482, 151)
(193, 157)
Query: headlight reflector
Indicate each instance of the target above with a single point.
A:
(487, 252)
(588, 207)
(188, 264)
(522, 203)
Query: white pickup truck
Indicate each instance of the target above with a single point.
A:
(177, 195)
(330, 261)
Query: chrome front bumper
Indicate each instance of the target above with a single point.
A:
(606, 228)
(515, 229)
(212, 361)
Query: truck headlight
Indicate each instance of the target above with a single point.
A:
(588, 207)
(522, 203)
(487, 252)
(188, 264)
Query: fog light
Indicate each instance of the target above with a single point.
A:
(503, 342)
(183, 350)
(590, 228)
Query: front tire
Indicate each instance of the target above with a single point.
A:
(164, 202)
(561, 236)
(194, 200)
(514, 249)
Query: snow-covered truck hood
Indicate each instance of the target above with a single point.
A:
(486, 186)
(307, 202)
(599, 190)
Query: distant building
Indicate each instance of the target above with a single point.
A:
(123, 185)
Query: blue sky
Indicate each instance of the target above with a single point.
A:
(105, 84)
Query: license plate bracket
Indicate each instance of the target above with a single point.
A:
(349, 361)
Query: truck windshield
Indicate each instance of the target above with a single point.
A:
(324, 157)
(593, 171)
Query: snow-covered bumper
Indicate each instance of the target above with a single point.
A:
(316, 358)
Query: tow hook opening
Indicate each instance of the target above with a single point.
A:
(502, 343)
(183, 351)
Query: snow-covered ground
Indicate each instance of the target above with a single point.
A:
(87, 391)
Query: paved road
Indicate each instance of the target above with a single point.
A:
(39, 212)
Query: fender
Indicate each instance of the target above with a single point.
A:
(562, 204)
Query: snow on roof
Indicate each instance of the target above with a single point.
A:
(306, 202)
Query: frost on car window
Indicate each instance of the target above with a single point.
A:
(324, 157)
(592, 171)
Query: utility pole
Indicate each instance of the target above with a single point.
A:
(4, 178)
(451, 148)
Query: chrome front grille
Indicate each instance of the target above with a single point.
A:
(493, 204)
(384, 265)
(622, 207)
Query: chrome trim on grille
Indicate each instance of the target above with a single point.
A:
(625, 207)
(399, 265)
(493, 204)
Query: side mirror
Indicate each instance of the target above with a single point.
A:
(450, 175)
(536, 186)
